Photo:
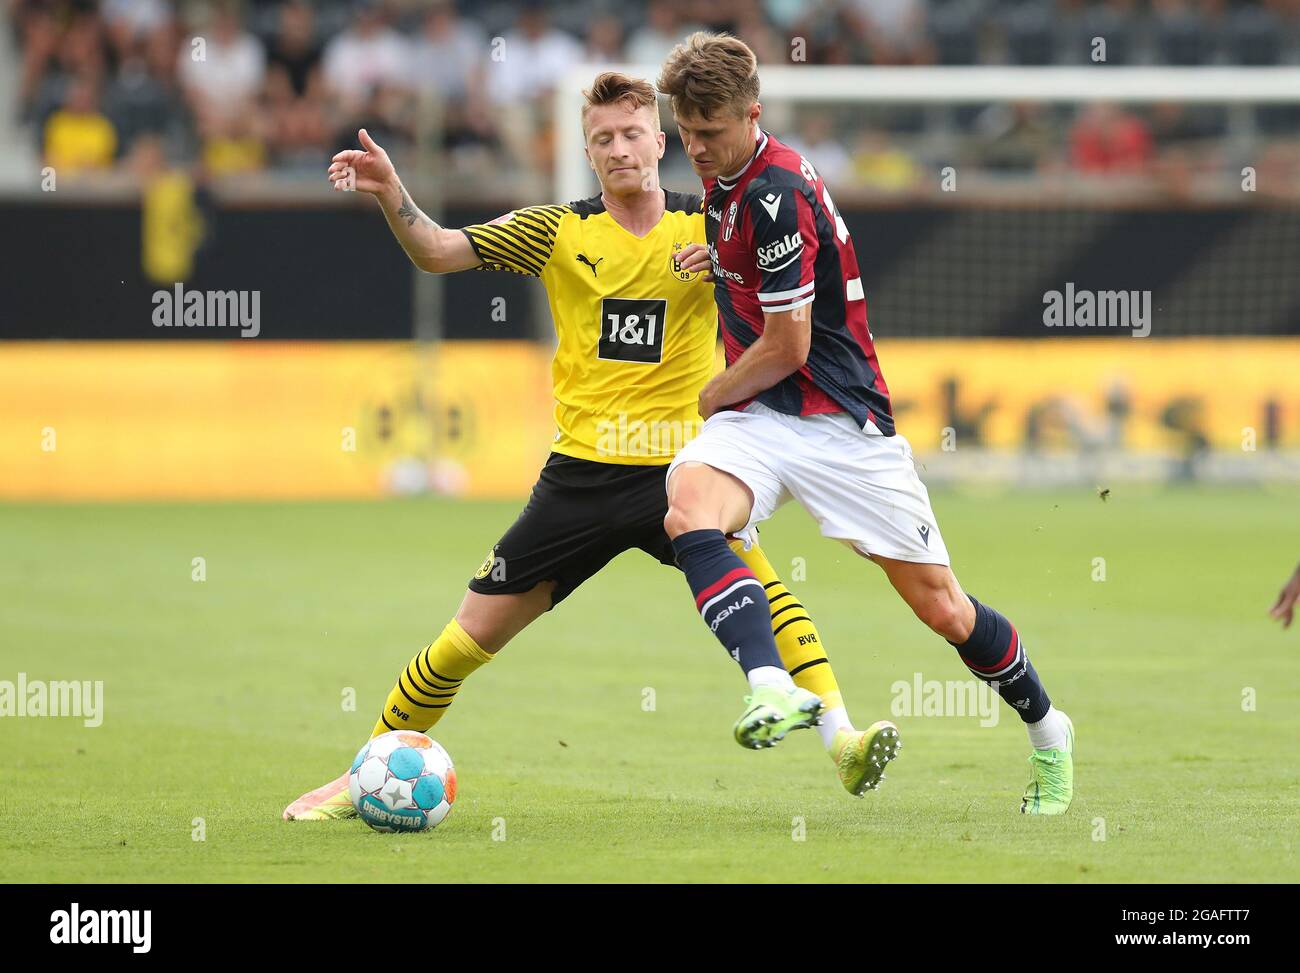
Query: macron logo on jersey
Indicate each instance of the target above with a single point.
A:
(771, 202)
(780, 254)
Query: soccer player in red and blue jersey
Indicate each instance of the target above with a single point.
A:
(802, 411)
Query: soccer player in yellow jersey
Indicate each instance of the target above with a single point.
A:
(636, 344)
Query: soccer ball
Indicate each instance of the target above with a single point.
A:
(402, 781)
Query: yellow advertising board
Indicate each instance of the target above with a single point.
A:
(240, 419)
(254, 419)
(1141, 394)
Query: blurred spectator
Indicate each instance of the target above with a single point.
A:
(1031, 34)
(719, 15)
(1182, 36)
(783, 15)
(829, 29)
(662, 31)
(129, 22)
(604, 39)
(752, 27)
(367, 70)
(368, 59)
(60, 41)
(1014, 137)
(449, 62)
(881, 165)
(892, 31)
(1255, 33)
(144, 98)
(533, 58)
(954, 30)
(450, 55)
(295, 89)
(78, 137)
(221, 70)
(1113, 22)
(1107, 139)
(816, 142)
(294, 61)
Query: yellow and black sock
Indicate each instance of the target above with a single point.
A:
(430, 681)
(798, 641)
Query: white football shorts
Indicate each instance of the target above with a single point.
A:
(862, 488)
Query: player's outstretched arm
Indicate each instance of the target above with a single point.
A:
(431, 247)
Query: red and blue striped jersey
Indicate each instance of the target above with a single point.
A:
(777, 243)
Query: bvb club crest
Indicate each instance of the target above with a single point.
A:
(486, 567)
(678, 272)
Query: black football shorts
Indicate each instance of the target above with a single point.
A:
(580, 516)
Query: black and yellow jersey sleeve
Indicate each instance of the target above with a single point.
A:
(522, 241)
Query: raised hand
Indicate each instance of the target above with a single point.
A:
(367, 170)
(695, 258)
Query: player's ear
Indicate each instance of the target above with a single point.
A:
(588, 155)
(755, 111)
(662, 140)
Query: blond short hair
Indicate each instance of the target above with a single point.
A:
(612, 88)
(710, 73)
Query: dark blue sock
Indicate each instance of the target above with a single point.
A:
(995, 654)
(729, 597)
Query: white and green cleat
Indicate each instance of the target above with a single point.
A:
(772, 712)
(1051, 786)
(861, 755)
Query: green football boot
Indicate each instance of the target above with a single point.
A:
(861, 755)
(1051, 786)
(772, 712)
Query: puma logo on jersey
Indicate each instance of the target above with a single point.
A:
(771, 202)
(584, 259)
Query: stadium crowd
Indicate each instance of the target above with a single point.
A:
(278, 85)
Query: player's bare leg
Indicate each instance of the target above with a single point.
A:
(701, 497)
(483, 624)
(990, 647)
(494, 620)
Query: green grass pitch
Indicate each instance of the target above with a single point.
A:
(224, 699)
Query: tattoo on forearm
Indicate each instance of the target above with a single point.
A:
(409, 212)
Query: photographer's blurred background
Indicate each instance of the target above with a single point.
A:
(150, 144)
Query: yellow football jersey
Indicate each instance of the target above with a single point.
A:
(636, 334)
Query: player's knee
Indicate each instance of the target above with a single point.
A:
(943, 616)
(687, 510)
(679, 520)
